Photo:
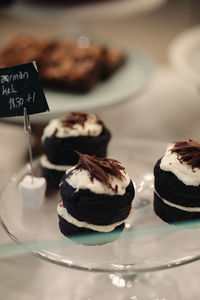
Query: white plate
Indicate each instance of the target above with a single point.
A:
(184, 54)
(123, 85)
(84, 12)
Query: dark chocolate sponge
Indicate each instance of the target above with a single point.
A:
(171, 214)
(52, 177)
(98, 209)
(80, 233)
(61, 151)
(169, 187)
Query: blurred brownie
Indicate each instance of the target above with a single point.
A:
(21, 49)
(112, 59)
(73, 65)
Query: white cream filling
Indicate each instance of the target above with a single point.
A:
(101, 228)
(184, 208)
(47, 164)
(80, 179)
(183, 172)
(91, 128)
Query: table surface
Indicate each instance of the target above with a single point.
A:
(167, 110)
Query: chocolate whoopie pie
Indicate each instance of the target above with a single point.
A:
(76, 131)
(62, 137)
(177, 183)
(51, 172)
(97, 196)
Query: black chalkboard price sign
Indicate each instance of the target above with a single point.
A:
(20, 88)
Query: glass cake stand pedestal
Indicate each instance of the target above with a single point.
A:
(123, 268)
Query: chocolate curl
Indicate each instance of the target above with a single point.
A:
(100, 168)
(74, 118)
(188, 151)
(69, 120)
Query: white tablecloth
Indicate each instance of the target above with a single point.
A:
(167, 110)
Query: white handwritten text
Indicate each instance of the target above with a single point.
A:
(18, 102)
(8, 90)
(14, 77)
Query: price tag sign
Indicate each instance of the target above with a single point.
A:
(20, 87)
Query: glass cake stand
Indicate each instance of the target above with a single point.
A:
(121, 269)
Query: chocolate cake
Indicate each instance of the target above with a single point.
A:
(62, 137)
(112, 59)
(74, 65)
(177, 183)
(97, 196)
(22, 48)
(52, 172)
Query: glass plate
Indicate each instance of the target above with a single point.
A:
(147, 243)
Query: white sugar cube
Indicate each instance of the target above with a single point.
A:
(32, 193)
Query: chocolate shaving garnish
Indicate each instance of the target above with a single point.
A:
(100, 122)
(100, 168)
(116, 188)
(69, 120)
(54, 134)
(188, 152)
